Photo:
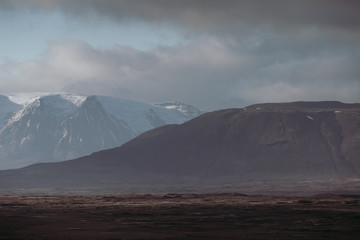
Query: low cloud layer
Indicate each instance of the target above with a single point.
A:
(207, 73)
(237, 53)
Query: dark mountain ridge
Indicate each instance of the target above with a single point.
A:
(301, 141)
(322, 105)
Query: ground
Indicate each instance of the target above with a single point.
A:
(179, 216)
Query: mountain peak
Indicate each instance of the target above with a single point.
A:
(234, 147)
(187, 109)
(59, 126)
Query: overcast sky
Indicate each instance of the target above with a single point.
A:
(212, 54)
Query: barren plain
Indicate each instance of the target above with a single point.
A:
(179, 216)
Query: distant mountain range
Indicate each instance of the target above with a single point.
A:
(54, 127)
(265, 143)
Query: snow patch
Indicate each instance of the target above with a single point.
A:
(187, 110)
(25, 98)
(23, 140)
(77, 100)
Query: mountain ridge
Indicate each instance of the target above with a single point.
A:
(56, 127)
(307, 105)
(225, 147)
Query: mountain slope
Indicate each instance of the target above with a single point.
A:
(281, 142)
(7, 108)
(64, 126)
(254, 144)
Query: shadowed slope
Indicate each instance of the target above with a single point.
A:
(267, 142)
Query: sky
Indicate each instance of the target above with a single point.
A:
(211, 54)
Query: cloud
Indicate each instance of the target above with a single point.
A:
(207, 73)
(213, 15)
(238, 52)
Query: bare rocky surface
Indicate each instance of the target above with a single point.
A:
(179, 216)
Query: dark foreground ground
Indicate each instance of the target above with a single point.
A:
(179, 216)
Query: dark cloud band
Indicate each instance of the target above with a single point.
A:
(214, 15)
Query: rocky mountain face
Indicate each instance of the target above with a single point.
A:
(64, 126)
(303, 141)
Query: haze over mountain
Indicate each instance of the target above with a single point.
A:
(53, 127)
(288, 142)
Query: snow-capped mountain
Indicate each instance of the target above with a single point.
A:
(7, 108)
(188, 110)
(56, 127)
(278, 147)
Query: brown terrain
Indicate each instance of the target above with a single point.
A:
(293, 153)
(179, 216)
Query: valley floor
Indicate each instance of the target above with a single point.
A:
(179, 216)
